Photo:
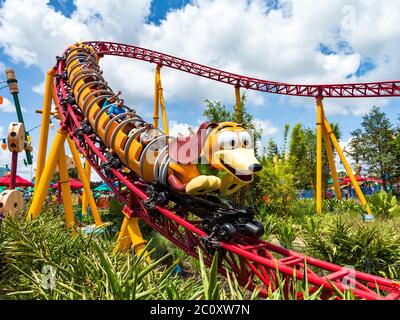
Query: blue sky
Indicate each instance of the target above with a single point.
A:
(329, 53)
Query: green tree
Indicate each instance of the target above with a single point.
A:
(216, 112)
(285, 138)
(396, 147)
(298, 157)
(271, 150)
(374, 143)
(276, 189)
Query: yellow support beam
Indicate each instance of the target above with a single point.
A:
(123, 241)
(332, 165)
(46, 176)
(66, 189)
(238, 104)
(163, 111)
(130, 236)
(138, 243)
(85, 201)
(156, 97)
(44, 128)
(346, 165)
(85, 181)
(318, 191)
(159, 101)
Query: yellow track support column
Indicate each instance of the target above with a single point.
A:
(85, 182)
(85, 201)
(44, 129)
(131, 236)
(123, 241)
(156, 116)
(159, 101)
(238, 104)
(47, 174)
(332, 165)
(66, 189)
(346, 165)
(318, 191)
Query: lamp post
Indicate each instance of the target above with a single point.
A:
(13, 86)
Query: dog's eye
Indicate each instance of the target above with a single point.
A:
(245, 139)
(228, 140)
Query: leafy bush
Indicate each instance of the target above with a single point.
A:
(351, 206)
(384, 205)
(286, 234)
(302, 207)
(277, 189)
(371, 248)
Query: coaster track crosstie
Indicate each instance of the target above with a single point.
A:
(254, 262)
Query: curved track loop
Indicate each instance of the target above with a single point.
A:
(254, 262)
(355, 90)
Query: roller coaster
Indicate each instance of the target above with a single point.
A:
(173, 194)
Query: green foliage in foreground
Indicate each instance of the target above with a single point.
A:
(339, 236)
(86, 268)
(384, 205)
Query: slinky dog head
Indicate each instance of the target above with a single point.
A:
(230, 148)
(224, 150)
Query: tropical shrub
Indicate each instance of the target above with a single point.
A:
(277, 188)
(372, 248)
(384, 205)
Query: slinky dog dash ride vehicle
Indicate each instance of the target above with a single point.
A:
(218, 160)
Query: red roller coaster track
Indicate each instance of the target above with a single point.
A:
(354, 90)
(254, 262)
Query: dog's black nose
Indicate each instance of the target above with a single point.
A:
(255, 167)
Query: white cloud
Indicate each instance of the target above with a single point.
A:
(279, 45)
(343, 65)
(39, 89)
(266, 127)
(9, 107)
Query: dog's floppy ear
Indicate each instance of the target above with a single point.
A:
(187, 150)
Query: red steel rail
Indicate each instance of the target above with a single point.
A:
(255, 263)
(353, 90)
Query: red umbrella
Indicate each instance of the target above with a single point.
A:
(358, 179)
(75, 184)
(19, 182)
